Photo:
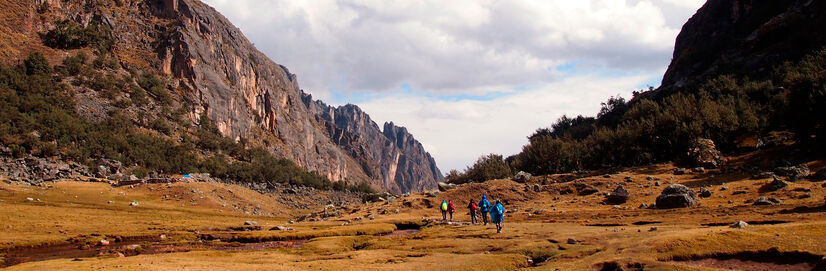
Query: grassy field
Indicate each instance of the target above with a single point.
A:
(536, 233)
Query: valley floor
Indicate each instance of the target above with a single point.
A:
(200, 226)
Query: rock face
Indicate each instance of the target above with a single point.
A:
(676, 196)
(390, 155)
(213, 70)
(725, 36)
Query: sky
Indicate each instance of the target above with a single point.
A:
(467, 77)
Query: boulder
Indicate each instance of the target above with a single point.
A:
(703, 153)
(443, 186)
(775, 185)
(432, 194)
(618, 196)
(680, 171)
(676, 196)
(522, 177)
(793, 172)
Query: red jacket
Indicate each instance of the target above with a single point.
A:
(450, 207)
(472, 206)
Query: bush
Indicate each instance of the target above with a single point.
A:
(155, 87)
(487, 167)
(69, 35)
(645, 131)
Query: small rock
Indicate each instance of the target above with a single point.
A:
(698, 170)
(162, 237)
(657, 183)
(739, 225)
(705, 193)
(119, 255)
(103, 242)
(134, 203)
(572, 241)
(281, 228)
(250, 223)
(29, 199)
(652, 229)
(649, 178)
(763, 201)
(110, 202)
(680, 171)
(724, 188)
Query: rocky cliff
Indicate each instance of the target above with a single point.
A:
(745, 37)
(213, 70)
(391, 155)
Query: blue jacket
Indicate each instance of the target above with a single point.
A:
(484, 204)
(497, 213)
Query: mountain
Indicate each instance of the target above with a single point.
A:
(213, 72)
(745, 37)
(745, 75)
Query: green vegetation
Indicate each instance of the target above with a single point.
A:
(38, 117)
(657, 128)
(487, 167)
(67, 34)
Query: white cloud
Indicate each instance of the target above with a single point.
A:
(466, 48)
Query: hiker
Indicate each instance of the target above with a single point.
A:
(472, 208)
(443, 207)
(484, 207)
(450, 209)
(497, 215)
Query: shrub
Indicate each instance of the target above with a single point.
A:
(69, 35)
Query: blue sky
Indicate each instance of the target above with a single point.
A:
(467, 77)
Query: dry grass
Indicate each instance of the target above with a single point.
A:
(359, 245)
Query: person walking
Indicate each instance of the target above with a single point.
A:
(497, 215)
(443, 207)
(484, 207)
(472, 208)
(450, 209)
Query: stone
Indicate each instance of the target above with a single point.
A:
(793, 172)
(432, 194)
(653, 228)
(537, 188)
(446, 186)
(250, 223)
(572, 241)
(763, 201)
(657, 183)
(649, 178)
(703, 153)
(134, 203)
(522, 177)
(585, 189)
(281, 228)
(680, 171)
(705, 193)
(775, 185)
(103, 242)
(676, 196)
(739, 225)
(618, 196)
(698, 170)
(764, 175)
(643, 206)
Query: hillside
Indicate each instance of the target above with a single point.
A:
(194, 64)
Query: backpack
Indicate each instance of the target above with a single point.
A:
(473, 206)
(444, 206)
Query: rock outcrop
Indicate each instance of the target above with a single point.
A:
(390, 156)
(747, 35)
(676, 196)
(213, 70)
